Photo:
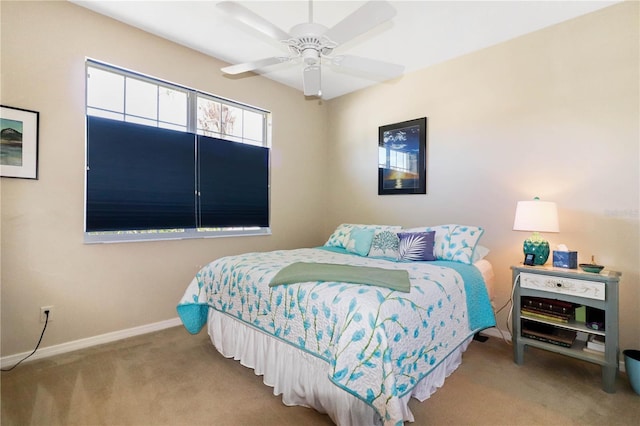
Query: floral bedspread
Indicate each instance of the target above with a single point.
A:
(379, 343)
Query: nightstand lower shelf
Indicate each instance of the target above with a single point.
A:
(575, 351)
(609, 372)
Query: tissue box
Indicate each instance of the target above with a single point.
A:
(565, 259)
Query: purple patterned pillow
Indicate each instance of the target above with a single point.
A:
(416, 246)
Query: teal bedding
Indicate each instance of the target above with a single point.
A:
(378, 343)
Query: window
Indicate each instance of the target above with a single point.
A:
(165, 161)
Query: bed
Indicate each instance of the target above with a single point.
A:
(338, 343)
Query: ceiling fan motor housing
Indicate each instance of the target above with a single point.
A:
(309, 43)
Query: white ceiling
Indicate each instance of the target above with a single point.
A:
(423, 33)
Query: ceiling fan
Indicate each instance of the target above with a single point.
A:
(312, 44)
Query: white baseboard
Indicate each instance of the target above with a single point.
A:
(62, 348)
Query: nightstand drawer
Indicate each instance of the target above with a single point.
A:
(581, 288)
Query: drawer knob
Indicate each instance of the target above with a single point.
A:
(558, 284)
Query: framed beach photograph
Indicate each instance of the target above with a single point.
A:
(18, 143)
(402, 158)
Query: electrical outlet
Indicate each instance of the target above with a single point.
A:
(43, 316)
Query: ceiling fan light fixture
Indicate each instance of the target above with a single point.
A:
(311, 76)
(310, 56)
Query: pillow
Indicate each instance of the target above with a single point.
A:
(340, 236)
(385, 244)
(479, 253)
(416, 246)
(359, 241)
(456, 243)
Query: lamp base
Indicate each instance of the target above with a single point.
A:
(538, 247)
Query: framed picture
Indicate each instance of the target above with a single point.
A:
(402, 158)
(18, 143)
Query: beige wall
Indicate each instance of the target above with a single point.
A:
(96, 289)
(552, 114)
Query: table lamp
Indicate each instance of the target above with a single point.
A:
(536, 216)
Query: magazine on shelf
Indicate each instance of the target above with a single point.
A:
(596, 343)
(548, 333)
(532, 312)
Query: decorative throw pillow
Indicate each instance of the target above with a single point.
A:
(385, 244)
(359, 241)
(340, 236)
(416, 246)
(479, 253)
(456, 243)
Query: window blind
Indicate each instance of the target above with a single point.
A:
(141, 177)
(234, 183)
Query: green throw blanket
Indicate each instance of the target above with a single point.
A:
(299, 272)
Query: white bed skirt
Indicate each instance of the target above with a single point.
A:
(302, 378)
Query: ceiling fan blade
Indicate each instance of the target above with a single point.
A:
(370, 15)
(252, 66)
(255, 21)
(311, 81)
(368, 66)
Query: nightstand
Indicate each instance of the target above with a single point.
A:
(593, 291)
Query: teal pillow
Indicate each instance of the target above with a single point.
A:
(359, 241)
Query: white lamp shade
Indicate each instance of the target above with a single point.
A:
(536, 216)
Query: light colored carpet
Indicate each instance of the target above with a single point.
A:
(173, 378)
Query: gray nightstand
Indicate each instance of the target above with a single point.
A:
(598, 291)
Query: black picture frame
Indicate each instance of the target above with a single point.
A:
(529, 259)
(402, 157)
(18, 143)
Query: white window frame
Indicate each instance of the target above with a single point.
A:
(192, 126)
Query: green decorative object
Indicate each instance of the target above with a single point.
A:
(539, 247)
